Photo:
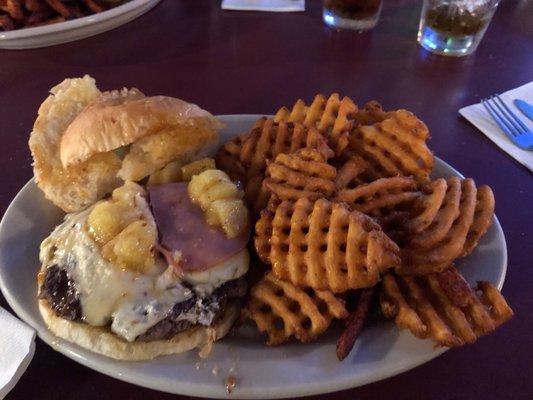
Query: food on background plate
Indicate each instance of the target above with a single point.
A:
(347, 221)
(19, 14)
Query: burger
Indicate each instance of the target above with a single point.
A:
(140, 266)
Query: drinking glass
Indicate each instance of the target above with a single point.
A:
(359, 15)
(454, 27)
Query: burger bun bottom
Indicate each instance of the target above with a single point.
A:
(102, 341)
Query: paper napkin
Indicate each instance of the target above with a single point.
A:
(264, 5)
(482, 120)
(17, 346)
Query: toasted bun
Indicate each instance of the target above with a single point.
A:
(183, 143)
(85, 183)
(103, 341)
(78, 129)
(121, 118)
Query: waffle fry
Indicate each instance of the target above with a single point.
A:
(268, 139)
(371, 113)
(282, 310)
(444, 218)
(421, 305)
(355, 323)
(6, 23)
(302, 174)
(94, 6)
(426, 206)
(482, 218)
(64, 10)
(398, 204)
(246, 158)
(381, 196)
(256, 195)
(323, 245)
(334, 212)
(36, 5)
(454, 232)
(355, 171)
(395, 146)
(228, 159)
(13, 8)
(331, 115)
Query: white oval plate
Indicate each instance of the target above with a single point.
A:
(263, 372)
(79, 28)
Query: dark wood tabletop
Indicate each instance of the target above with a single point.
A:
(250, 62)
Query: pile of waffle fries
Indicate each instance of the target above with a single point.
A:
(345, 208)
(17, 14)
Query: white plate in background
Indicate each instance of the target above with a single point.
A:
(263, 372)
(75, 29)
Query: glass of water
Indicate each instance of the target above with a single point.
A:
(454, 27)
(359, 15)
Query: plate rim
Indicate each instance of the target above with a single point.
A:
(209, 390)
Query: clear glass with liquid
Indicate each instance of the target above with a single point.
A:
(454, 27)
(359, 15)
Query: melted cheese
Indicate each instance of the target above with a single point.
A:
(134, 302)
(206, 281)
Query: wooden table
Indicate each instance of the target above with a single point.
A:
(244, 62)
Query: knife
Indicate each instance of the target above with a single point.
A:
(525, 107)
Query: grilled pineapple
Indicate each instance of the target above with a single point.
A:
(124, 227)
(175, 171)
(221, 200)
(133, 247)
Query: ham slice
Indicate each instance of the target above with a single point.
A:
(183, 229)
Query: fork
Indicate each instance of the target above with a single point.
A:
(509, 123)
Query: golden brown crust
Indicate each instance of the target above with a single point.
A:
(282, 310)
(331, 116)
(78, 128)
(453, 233)
(483, 216)
(77, 187)
(185, 143)
(323, 245)
(450, 313)
(384, 193)
(245, 158)
(120, 118)
(395, 145)
(302, 174)
(355, 322)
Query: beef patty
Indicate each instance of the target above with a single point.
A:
(215, 303)
(60, 292)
